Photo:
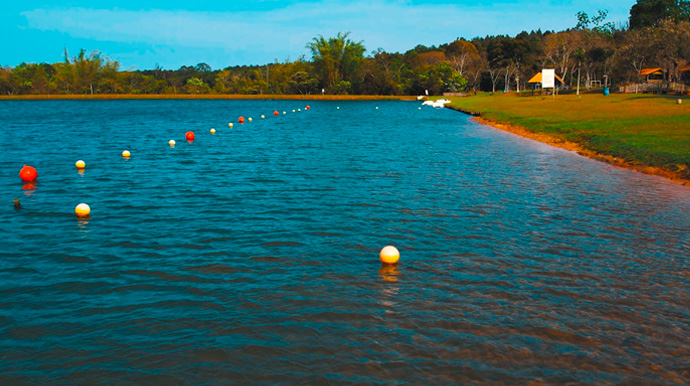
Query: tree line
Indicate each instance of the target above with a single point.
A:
(594, 52)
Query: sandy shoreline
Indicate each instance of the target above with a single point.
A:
(572, 146)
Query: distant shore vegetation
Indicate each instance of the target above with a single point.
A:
(594, 53)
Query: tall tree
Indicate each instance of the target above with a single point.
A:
(559, 49)
(650, 13)
(336, 59)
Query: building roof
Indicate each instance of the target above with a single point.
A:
(651, 71)
(537, 78)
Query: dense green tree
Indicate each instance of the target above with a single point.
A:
(650, 13)
(336, 60)
(587, 52)
(196, 86)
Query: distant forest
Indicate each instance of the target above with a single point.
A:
(594, 53)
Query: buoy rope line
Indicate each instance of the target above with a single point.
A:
(389, 255)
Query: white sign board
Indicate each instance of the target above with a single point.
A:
(548, 78)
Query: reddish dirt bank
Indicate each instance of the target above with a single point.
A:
(572, 146)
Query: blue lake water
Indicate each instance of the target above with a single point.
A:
(251, 256)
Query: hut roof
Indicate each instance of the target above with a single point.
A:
(651, 71)
(537, 78)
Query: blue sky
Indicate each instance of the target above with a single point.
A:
(222, 33)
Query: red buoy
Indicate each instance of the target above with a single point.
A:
(307, 108)
(28, 174)
(241, 120)
(189, 135)
(276, 113)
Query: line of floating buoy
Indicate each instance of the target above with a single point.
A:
(29, 173)
(389, 255)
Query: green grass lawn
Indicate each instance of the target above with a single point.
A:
(645, 129)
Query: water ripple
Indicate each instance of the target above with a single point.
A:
(251, 256)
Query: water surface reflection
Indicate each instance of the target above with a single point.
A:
(251, 255)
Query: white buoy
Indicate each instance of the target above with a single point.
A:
(82, 210)
(389, 254)
(80, 164)
(171, 142)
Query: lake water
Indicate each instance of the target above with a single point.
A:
(251, 256)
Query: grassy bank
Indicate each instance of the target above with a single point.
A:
(640, 131)
(206, 97)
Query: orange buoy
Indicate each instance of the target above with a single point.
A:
(389, 254)
(80, 164)
(126, 154)
(213, 131)
(189, 135)
(241, 120)
(82, 210)
(28, 174)
(276, 113)
(307, 108)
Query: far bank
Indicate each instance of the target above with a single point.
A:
(648, 133)
(205, 97)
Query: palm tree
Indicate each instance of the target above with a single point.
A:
(337, 59)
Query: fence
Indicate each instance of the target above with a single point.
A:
(655, 88)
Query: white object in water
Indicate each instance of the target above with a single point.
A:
(439, 104)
